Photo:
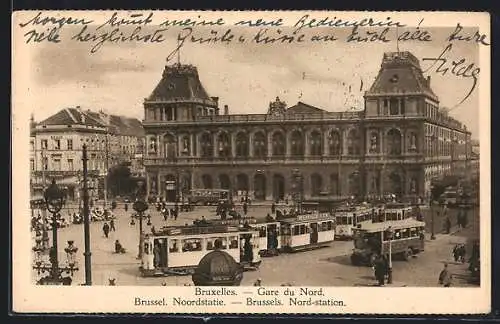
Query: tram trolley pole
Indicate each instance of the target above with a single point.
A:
(86, 220)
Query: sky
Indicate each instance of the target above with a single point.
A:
(246, 77)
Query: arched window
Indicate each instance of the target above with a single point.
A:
(206, 181)
(353, 181)
(297, 143)
(334, 184)
(185, 145)
(334, 143)
(394, 142)
(153, 145)
(242, 145)
(206, 145)
(316, 143)
(242, 182)
(169, 142)
(279, 144)
(224, 142)
(259, 145)
(353, 142)
(316, 184)
(374, 142)
(224, 181)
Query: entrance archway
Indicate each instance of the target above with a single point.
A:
(206, 181)
(260, 187)
(278, 187)
(242, 182)
(170, 188)
(224, 181)
(396, 184)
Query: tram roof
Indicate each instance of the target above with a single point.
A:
(394, 224)
(308, 218)
(196, 230)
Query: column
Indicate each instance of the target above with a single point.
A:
(192, 152)
(325, 143)
(148, 185)
(159, 145)
(216, 142)
(288, 145)
(233, 144)
(344, 141)
(269, 144)
(250, 145)
(269, 186)
(307, 144)
(158, 184)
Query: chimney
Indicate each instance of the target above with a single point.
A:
(429, 81)
(226, 110)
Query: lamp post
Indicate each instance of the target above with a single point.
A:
(389, 234)
(86, 220)
(297, 184)
(433, 235)
(140, 206)
(54, 199)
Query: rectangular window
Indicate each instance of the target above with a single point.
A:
(191, 245)
(57, 144)
(211, 243)
(173, 246)
(45, 163)
(57, 164)
(70, 165)
(70, 144)
(44, 144)
(32, 145)
(32, 165)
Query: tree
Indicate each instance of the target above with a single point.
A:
(119, 180)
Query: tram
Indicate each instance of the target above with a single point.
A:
(371, 239)
(398, 211)
(178, 250)
(348, 217)
(307, 232)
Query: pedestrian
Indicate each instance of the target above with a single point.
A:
(245, 208)
(462, 251)
(176, 211)
(455, 252)
(380, 270)
(118, 247)
(112, 225)
(126, 207)
(105, 229)
(445, 277)
(447, 225)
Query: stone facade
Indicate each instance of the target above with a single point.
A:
(398, 144)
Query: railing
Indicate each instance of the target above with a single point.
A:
(265, 118)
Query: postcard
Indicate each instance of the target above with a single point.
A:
(283, 162)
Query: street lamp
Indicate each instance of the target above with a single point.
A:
(140, 206)
(54, 200)
(389, 234)
(297, 185)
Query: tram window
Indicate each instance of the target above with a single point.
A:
(262, 231)
(146, 247)
(397, 234)
(191, 245)
(173, 246)
(233, 242)
(349, 220)
(329, 225)
(296, 230)
(413, 232)
(286, 230)
(405, 233)
(324, 226)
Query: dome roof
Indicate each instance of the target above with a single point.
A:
(217, 268)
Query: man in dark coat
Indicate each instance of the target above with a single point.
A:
(105, 229)
(112, 225)
(380, 270)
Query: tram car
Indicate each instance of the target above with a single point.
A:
(348, 217)
(307, 231)
(269, 237)
(178, 250)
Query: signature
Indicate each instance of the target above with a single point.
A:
(459, 68)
